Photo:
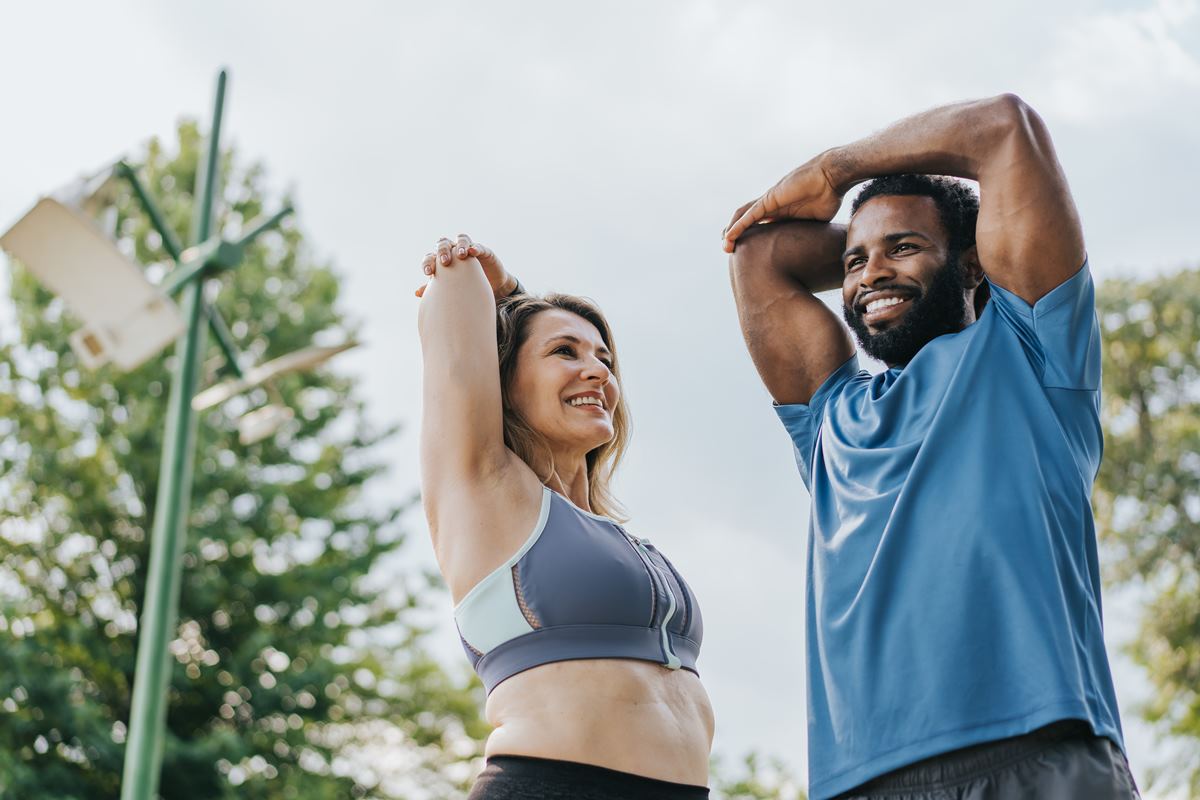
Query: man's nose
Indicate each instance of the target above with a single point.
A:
(875, 270)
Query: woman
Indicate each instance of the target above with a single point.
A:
(585, 636)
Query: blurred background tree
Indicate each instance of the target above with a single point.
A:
(758, 778)
(298, 671)
(1147, 496)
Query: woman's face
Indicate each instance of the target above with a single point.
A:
(563, 385)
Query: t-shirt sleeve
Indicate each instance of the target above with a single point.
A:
(1060, 332)
(803, 420)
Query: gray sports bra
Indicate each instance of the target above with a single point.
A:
(580, 587)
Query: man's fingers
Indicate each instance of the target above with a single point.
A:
(752, 214)
(736, 216)
(741, 210)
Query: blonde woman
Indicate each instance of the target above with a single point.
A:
(585, 636)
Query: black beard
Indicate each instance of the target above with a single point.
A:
(939, 310)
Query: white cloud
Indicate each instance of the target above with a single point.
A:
(1118, 64)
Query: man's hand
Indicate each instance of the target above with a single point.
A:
(804, 193)
(502, 283)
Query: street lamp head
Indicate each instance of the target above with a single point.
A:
(256, 425)
(297, 361)
(126, 318)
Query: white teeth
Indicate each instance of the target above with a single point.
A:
(586, 401)
(887, 302)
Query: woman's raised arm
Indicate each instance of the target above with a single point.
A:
(462, 436)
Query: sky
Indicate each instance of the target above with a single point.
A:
(599, 149)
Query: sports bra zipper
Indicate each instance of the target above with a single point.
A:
(672, 660)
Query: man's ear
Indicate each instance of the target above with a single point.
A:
(973, 279)
(972, 269)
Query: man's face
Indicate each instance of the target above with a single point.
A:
(901, 288)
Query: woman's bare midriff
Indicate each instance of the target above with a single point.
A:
(632, 716)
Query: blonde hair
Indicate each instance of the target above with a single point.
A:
(513, 317)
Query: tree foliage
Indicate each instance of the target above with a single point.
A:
(758, 778)
(297, 672)
(1147, 496)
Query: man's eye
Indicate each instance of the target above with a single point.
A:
(855, 263)
(903, 245)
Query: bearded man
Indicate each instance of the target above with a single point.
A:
(954, 631)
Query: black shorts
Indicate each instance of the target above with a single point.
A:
(524, 778)
(1063, 761)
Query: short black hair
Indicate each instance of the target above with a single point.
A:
(957, 203)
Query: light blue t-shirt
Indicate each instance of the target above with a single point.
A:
(953, 586)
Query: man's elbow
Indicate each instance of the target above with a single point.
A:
(752, 251)
(1012, 119)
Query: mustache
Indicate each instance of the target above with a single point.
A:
(900, 290)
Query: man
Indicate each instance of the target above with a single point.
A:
(954, 630)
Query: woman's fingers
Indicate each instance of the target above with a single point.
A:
(463, 247)
(445, 253)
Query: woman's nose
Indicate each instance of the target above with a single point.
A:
(595, 369)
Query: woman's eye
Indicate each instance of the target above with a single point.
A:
(565, 349)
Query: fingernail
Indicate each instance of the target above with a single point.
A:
(445, 258)
(429, 270)
(462, 251)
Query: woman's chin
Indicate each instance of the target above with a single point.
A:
(584, 438)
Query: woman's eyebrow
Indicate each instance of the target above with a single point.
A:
(566, 337)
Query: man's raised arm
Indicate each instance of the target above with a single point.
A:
(796, 342)
(1028, 236)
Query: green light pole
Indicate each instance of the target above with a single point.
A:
(160, 606)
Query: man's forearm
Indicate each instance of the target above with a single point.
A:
(799, 251)
(958, 140)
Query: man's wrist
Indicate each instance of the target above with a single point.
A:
(835, 165)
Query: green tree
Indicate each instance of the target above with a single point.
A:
(298, 673)
(759, 778)
(1147, 496)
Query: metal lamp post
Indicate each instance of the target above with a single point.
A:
(128, 320)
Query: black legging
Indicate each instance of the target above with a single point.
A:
(523, 778)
